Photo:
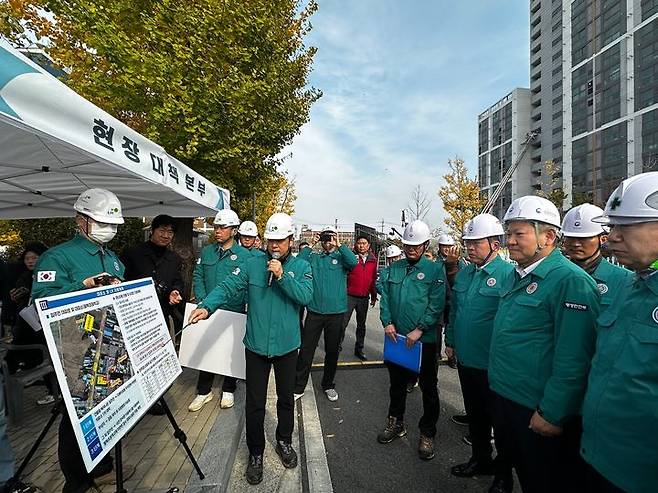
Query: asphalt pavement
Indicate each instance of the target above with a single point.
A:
(357, 462)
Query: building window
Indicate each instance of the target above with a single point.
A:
(595, 24)
(649, 7)
(483, 136)
(607, 85)
(582, 93)
(650, 141)
(599, 164)
(646, 66)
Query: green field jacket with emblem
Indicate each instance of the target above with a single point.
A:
(474, 303)
(611, 281)
(273, 315)
(215, 265)
(329, 278)
(543, 338)
(62, 269)
(413, 296)
(620, 413)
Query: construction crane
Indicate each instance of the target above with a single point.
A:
(493, 198)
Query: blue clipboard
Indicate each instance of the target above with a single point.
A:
(401, 355)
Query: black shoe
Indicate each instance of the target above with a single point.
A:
(156, 410)
(467, 440)
(19, 487)
(340, 347)
(501, 485)
(255, 469)
(426, 448)
(461, 419)
(287, 454)
(394, 429)
(359, 354)
(411, 386)
(472, 468)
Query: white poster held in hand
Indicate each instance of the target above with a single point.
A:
(215, 345)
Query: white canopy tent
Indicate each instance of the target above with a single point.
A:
(54, 144)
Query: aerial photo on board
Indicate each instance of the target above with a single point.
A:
(93, 356)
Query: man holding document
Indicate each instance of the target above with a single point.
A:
(412, 302)
(277, 285)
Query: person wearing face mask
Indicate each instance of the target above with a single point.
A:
(583, 239)
(475, 298)
(216, 262)
(541, 347)
(411, 304)
(326, 310)
(82, 263)
(276, 286)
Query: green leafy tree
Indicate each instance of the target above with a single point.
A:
(221, 84)
(461, 197)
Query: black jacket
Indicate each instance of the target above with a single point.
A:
(161, 264)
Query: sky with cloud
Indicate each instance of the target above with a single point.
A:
(403, 84)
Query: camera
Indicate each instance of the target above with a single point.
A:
(326, 237)
(104, 280)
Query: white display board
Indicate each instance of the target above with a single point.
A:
(113, 357)
(215, 344)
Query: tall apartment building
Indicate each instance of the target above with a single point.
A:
(610, 94)
(501, 131)
(594, 95)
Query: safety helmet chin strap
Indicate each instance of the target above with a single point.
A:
(596, 252)
(491, 251)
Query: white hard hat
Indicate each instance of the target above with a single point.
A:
(446, 239)
(533, 208)
(329, 229)
(279, 226)
(248, 228)
(226, 217)
(101, 205)
(416, 233)
(635, 200)
(393, 251)
(483, 226)
(577, 223)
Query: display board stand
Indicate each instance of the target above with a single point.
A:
(58, 408)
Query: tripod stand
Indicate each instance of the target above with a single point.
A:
(58, 408)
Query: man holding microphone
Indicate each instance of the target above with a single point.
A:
(277, 285)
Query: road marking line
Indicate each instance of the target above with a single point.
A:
(319, 478)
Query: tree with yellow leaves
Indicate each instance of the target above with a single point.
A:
(461, 197)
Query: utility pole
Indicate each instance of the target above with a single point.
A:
(336, 224)
(404, 221)
(382, 226)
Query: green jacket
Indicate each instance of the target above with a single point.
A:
(620, 412)
(329, 278)
(543, 338)
(214, 266)
(474, 303)
(273, 315)
(62, 269)
(610, 280)
(413, 296)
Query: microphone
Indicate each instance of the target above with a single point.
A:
(275, 256)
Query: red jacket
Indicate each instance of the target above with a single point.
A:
(361, 280)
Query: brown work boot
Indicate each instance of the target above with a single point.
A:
(394, 428)
(426, 448)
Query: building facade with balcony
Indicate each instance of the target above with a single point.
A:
(501, 132)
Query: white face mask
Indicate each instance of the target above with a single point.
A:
(102, 233)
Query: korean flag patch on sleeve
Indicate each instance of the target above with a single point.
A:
(46, 275)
